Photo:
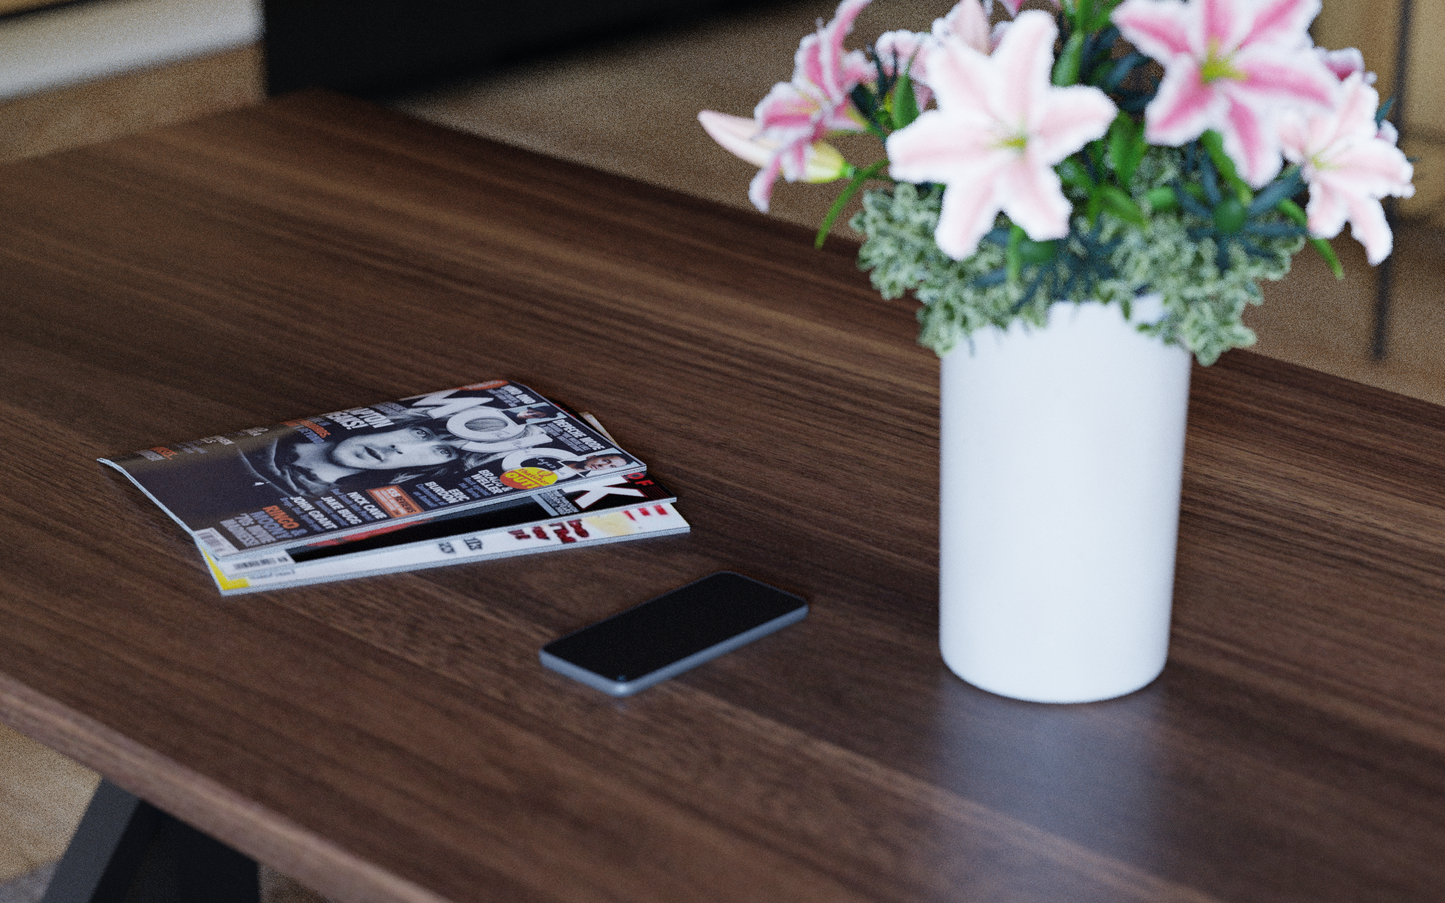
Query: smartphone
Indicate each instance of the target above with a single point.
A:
(678, 630)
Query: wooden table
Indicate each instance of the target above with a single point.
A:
(396, 739)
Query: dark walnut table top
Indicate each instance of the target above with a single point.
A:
(396, 739)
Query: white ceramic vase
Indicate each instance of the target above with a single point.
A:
(1062, 451)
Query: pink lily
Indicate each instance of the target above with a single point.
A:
(1344, 63)
(967, 21)
(1229, 65)
(821, 162)
(906, 51)
(1349, 165)
(1011, 5)
(999, 129)
(795, 115)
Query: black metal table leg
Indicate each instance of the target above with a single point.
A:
(1379, 343)
(128, 851)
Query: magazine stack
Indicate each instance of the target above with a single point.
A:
(468, 474)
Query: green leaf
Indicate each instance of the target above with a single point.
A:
(1230, 216)
(1292, 210)
(1095, 150)
(1074, 175)
(1328, 253)
(1127, 146)
(867, 106)
(1014, 258)
(1119, 148)
(1214, 143)
(1162, 198)
(1118, 202)
(847, 195)
(1066, 69)
(1383, 112)
(1282, 188)
(905, 102)
(1035, 252)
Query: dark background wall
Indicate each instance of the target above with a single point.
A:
(371, 46)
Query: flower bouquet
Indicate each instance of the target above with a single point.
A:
(1085, 197)
(1110, 149)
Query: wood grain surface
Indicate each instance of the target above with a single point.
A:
(396, 739)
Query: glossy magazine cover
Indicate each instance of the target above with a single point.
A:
(347, 472)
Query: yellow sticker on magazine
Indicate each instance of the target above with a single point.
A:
(529, 477)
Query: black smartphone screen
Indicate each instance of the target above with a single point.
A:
(673, 632)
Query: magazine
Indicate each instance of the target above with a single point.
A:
(657, 519)
(342, 474)
(626, 491)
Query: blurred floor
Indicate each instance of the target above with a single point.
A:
(42, 796)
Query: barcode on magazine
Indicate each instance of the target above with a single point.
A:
(215, 543)
(251, 564)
